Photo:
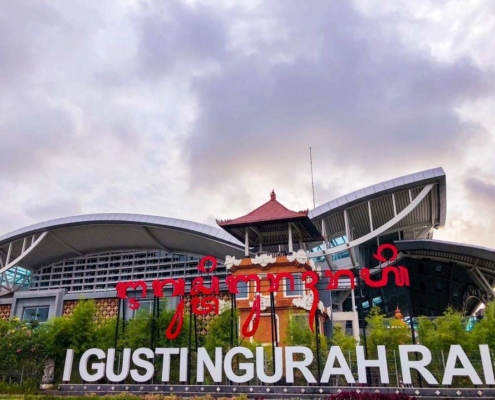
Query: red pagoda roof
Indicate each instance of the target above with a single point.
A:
(268, 226)
(270, 211)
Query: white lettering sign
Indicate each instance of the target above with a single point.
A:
(139, 365)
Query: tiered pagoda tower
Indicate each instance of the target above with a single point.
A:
(275, 241)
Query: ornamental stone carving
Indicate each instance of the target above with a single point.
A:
(48, 371)
(263, 260)
(306, 302)
(299, 255)
(264, 302)
(230, 261)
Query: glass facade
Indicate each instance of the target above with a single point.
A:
(102, 271)
(435, 286)
(16, 276)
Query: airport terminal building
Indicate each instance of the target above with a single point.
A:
(46, 268)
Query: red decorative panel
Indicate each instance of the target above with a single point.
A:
(69, 306)
(105, 308)
(5, 311)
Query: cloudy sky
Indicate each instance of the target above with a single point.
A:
(196, 110)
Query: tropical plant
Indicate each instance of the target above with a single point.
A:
(390, 332)
(23, 351)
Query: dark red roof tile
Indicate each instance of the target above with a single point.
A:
(270, 211)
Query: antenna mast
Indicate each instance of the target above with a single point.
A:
(312, 181)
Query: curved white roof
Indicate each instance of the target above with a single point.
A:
(49, 241)
(409, 203)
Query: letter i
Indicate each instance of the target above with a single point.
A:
(486, 361)
(69, 359)
(183, 364)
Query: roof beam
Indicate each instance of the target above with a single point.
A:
(424, 232)
(4, 282)
(347, 227)
(270, 233)
(335, 235)
(487, 270)
(328, 259)
(476, 279)
(379, 230)
(66, 245)
(14, 262)
(380, 266)
(257, 231)
(371, 217)
(300, 234)
(490, 289)
(9, 251)
(155, 240)
(432, 211)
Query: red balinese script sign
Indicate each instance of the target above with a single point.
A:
(204, 298)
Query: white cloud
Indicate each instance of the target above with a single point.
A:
(197, 110)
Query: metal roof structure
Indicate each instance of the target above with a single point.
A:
(47, 242)
(409, 207)
(412, 204)
(478, 261)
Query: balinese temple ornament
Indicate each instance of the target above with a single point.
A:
(263, 259)
(275, 270)
(231, 262)
(275, 265)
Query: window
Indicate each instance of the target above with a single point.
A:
(39, 314)
(376, 301)
(243, 290)
(298, 287)
(338, 241)
(145, 309)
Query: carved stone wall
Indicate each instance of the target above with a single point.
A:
(5, 311)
